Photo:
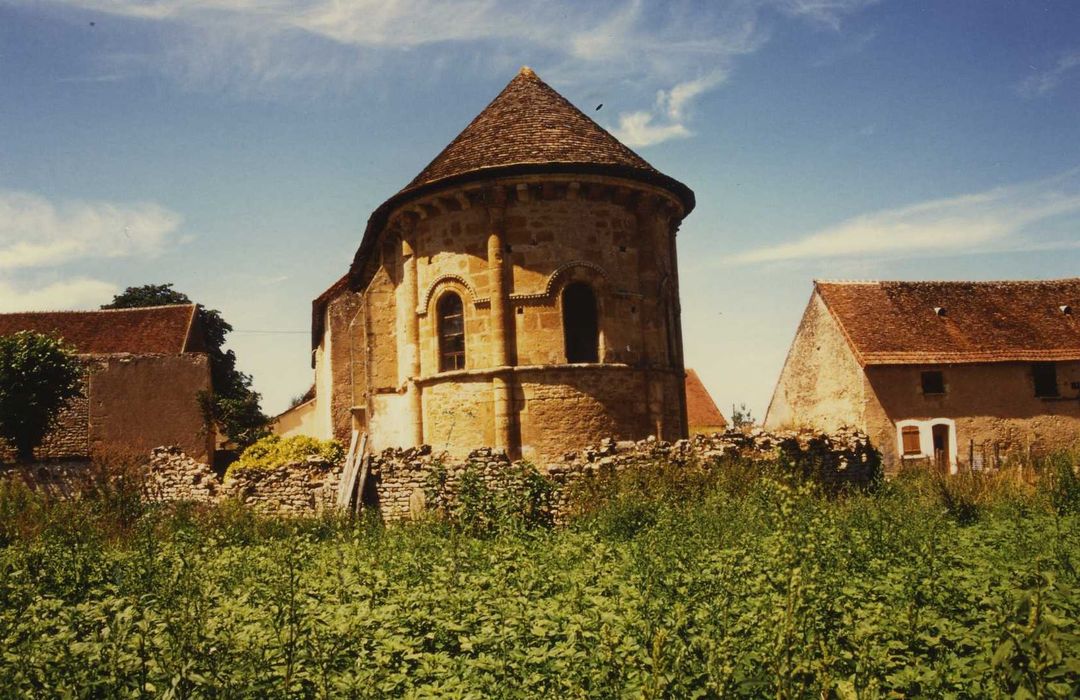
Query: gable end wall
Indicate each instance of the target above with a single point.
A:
(822, 385)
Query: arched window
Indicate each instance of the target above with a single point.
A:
(580, 327)
(451, 333)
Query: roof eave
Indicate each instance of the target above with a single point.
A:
(378, 218)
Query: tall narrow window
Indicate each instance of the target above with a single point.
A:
(451, 333)
(580, 326)
(1045, 377)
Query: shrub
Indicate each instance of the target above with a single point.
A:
(274, 451)
(1062, 482)
(38, 376)
(521, 497)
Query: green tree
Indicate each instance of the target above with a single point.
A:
(741, 417)
(38, 376)
(233, 406)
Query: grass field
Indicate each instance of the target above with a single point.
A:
(717, 581)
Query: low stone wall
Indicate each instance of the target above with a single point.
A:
(307, 487)
(59, 479)
(173, 476)
(405, 483)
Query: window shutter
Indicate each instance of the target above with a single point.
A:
(910, 436)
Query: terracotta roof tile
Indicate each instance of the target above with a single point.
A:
(528, 122)
(160, 330)
(701, 410)
(897, 322)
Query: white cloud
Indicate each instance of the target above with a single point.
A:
(636, 129)
(35, 232)
(668, 116)
(260, 45)
(1045, 82)
(79, 293)
(991, 221)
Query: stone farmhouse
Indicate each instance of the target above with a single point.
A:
(960, 374)
(143, 369)
(521, 292)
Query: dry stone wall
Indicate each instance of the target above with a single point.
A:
(406, 483)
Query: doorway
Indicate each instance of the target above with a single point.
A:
(941, 434)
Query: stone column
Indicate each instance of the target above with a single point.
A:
(649, 309)
(411, 323)
(501, 388)
(679, 363)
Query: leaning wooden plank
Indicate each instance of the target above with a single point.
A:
(362, 460)
(365, 462)
(348, 473)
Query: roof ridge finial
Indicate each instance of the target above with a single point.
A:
(527, 72)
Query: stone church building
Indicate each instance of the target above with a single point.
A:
(521, 292)
(957, 374)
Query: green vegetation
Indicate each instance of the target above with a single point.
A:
(272, 451)
(38, 376)
(233, 405)
(711, 581)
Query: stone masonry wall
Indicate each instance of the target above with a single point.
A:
(405, 483)
(405, 479)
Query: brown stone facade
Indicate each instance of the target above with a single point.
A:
(991, 410)
(509, 248)
(130, 404)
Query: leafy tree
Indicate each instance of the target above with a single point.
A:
(741, 417)
(38, 376)
(233, 405)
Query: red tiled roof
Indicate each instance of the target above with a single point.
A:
(161, 330)
(897, 322)
(701, 410)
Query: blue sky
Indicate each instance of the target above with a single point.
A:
(237, 147)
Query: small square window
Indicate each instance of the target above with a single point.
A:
(1044, 375)
(933, 383)
(910, 438)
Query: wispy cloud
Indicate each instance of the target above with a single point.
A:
(994, 220)
(668, 118)
(80, 293)
(653, 48)
(1045, 82)
(35, 232)
(829, 13)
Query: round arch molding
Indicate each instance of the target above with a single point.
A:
(442, 281)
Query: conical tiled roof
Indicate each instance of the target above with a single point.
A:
(529, 123)
(528, 129)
